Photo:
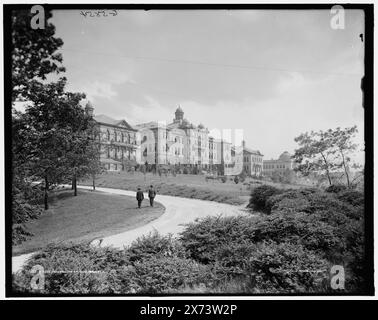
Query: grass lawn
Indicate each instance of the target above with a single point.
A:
(89, 215)
(183, 185)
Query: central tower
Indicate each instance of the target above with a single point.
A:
(179, 115)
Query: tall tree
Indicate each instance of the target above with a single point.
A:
(343, 145)
(34, 53)
(326, 152)
(314, 154)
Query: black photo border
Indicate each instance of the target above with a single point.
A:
(366, 86)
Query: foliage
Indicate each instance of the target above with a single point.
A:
(335, 188)
(202, 238)
(154, 244)
(286, 268)
(325, 151)
(37, 48)
(260, 195)
(352, 197)
(76, 269)
(160, 274)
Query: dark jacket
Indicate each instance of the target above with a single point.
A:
(139, 195)
(151, 193)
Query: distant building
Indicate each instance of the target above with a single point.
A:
(252, 161)
(178, 143)
(284, 162)
(117, 141)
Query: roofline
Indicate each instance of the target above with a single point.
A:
(115, 126)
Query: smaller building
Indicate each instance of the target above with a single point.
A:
(252, 161)
(117, 141)
(283, 163)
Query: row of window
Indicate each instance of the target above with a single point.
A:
(118, 137)
(275, 166)
(118, 153)
(254, 159)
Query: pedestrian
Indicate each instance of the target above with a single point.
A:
(139, 197)
(151, 195)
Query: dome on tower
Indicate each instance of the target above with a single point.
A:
(179, 114)
(285, 156)
(89, 108)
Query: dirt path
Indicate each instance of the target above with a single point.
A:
(178, 212)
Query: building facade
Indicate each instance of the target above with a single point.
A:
(283, 163)
(252, 161)
(178, 143)
(117, 140)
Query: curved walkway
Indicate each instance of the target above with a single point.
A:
(178, 212)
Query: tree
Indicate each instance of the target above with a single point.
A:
(325, 151)
(342, 143)
(314, 154)
(34, 53)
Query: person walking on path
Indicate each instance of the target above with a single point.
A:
(151, 195)
(139, 197)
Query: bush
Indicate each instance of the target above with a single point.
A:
(155, 244)
(164, 274)
(352, 197)
(202, 238)
(224, 179)
(259, 197)
(22, 211)
(76, 269)
(286, 268)
(335, 188)
(236, 180)
(302, 229)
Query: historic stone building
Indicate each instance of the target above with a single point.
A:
(252, 161)
(284, 162)
(178, 143)
(117, 141)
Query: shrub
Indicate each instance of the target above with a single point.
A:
(286, 267)
(302, 229)
(76, 269)
(260, 195)
(236, 180)
(352, 197)
(202, 238)
(224, 179)
(336, 188)
(154, 244)
(164, 274)
(22, 211)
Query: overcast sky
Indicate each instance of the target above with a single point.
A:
(273, 74)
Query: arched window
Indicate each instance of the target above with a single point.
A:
(122, 137)
(115, 136)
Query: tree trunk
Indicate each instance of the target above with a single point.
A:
(72, 184)
(46, 198)
(93, 181)
(75, 185)
(345, 169)
(327, 171)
